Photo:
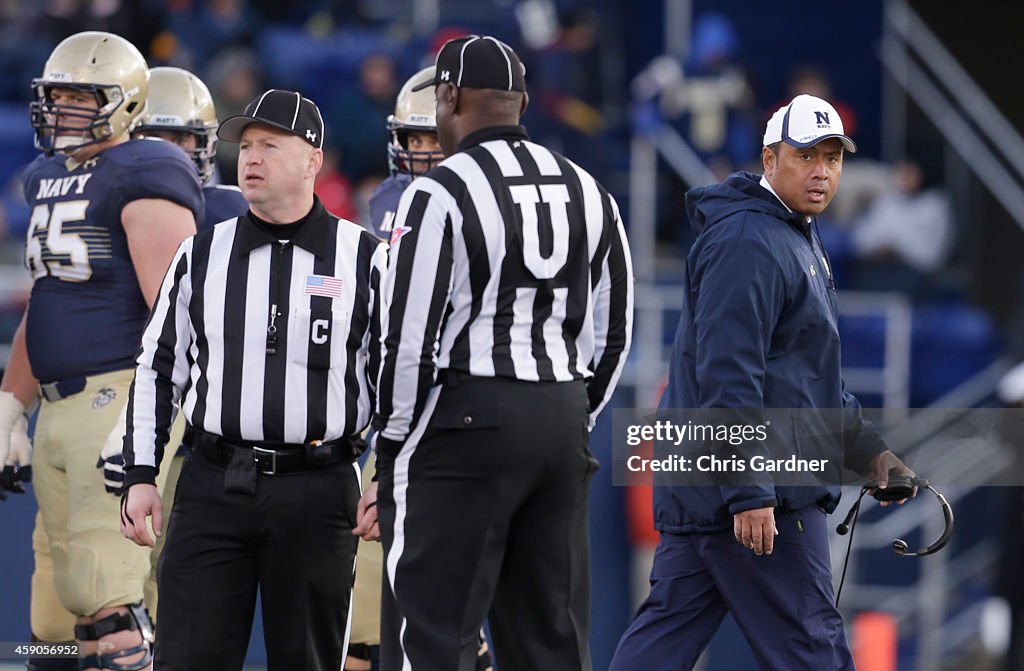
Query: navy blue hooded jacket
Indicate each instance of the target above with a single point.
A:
(758, 330)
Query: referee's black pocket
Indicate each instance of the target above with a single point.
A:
(467, 414)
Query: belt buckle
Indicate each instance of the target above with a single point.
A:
(257, 453)
(50, 391)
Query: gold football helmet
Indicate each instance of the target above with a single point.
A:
(104, 65)
(179, 102)
(414, 111)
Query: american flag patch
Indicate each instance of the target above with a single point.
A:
(322, 285)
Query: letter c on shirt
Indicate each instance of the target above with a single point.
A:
(319, 331)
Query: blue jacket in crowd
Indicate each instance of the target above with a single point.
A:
(758, 330)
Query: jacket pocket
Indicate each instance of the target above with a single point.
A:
(317, 338)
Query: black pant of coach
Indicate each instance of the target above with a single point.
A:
(278, 517)
(484, 514)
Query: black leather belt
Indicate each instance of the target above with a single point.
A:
(275, 458)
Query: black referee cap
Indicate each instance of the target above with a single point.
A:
(478, 62)
(286, 110)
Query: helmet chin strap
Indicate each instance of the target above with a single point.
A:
(69, 145)
(69, 142)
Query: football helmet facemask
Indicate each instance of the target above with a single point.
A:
(103, 65)
(414, 111)
(179, 102)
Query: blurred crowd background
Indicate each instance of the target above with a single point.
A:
(653, 97)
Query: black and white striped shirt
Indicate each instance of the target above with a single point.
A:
(301, 370)
(507, 260)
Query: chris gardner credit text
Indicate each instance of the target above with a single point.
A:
(666, 432)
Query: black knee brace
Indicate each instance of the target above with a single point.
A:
(137, 618)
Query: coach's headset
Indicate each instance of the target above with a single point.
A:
(900, 487)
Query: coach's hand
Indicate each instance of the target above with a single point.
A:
(755, 529)
(111, 459)
(140, 502)
(878, 471)
(366, 515)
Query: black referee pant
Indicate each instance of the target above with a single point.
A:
(484, 514)
(292, 539)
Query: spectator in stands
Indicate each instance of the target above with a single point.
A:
(234, 79)
(709, 99)
(814, 81)
(571, 88)
(204, 29)
(707, 96)
(905, 236)
(137, 22)
(23, 46)
(334, 189)
(359, 112)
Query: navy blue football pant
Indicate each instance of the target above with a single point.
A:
(783, 602)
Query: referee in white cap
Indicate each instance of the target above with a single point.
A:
(265, 330)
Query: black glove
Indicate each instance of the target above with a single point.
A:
(11, 479)
(113, 473)
(111, 459)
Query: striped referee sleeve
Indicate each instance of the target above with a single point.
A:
(378, 270)
(420, 267)
(613, 314)
(161, 373)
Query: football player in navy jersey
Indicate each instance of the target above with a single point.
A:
(180, 110)
(107, 215)
(412, 151)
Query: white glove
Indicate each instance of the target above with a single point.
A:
(15, 448)
(10, 410)
(111, 458)
(20, 454)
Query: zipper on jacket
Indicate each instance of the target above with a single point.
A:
(275, 289)
(825, 260)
